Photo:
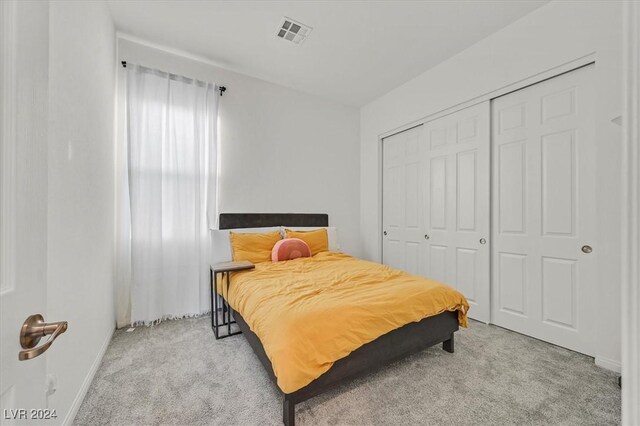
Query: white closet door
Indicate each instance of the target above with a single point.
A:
(456, 202)
(544, 211)
(402, 212)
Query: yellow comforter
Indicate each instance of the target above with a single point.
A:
(311, 312)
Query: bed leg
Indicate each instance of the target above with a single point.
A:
(288, 411)
(447, 345)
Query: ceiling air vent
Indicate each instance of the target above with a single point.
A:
(293, 30)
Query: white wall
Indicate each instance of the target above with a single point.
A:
(553, 35)
(281, 150)
(81, 195)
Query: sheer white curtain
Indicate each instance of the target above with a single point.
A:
(169, 196)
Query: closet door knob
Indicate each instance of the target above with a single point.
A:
(483, 241)
(426, 236)
(587, 249)
(384, 233)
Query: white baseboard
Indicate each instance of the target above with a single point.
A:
(609, 364)
(77, 402)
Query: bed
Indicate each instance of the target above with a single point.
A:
(393, 345)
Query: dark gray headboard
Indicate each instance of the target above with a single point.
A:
(260, 220)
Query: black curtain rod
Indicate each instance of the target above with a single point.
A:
(222, 89)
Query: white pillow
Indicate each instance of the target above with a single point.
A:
(221, 245)
(332, 233)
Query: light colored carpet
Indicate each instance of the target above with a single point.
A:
(177, 373)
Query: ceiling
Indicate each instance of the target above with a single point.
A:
(356, 52)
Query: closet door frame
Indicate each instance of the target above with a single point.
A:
(487, 97)
(630, 259)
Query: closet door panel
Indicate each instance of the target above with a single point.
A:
(457, 201)
(402, 212)
(438, 194)
(438, 262)
(544, 211)
(511, 210)
(436, 203)
(466, 275)
(392, 195)
(510, 277)
(467, 178)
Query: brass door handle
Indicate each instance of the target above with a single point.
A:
(33, 329)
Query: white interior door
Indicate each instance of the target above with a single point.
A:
(456, 201)
(402, 213)
(544, 210)
(24, 28)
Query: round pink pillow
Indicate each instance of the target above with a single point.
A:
(289, 249)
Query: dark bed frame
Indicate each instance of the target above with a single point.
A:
(395, 345)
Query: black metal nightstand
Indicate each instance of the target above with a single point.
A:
(222, 269)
